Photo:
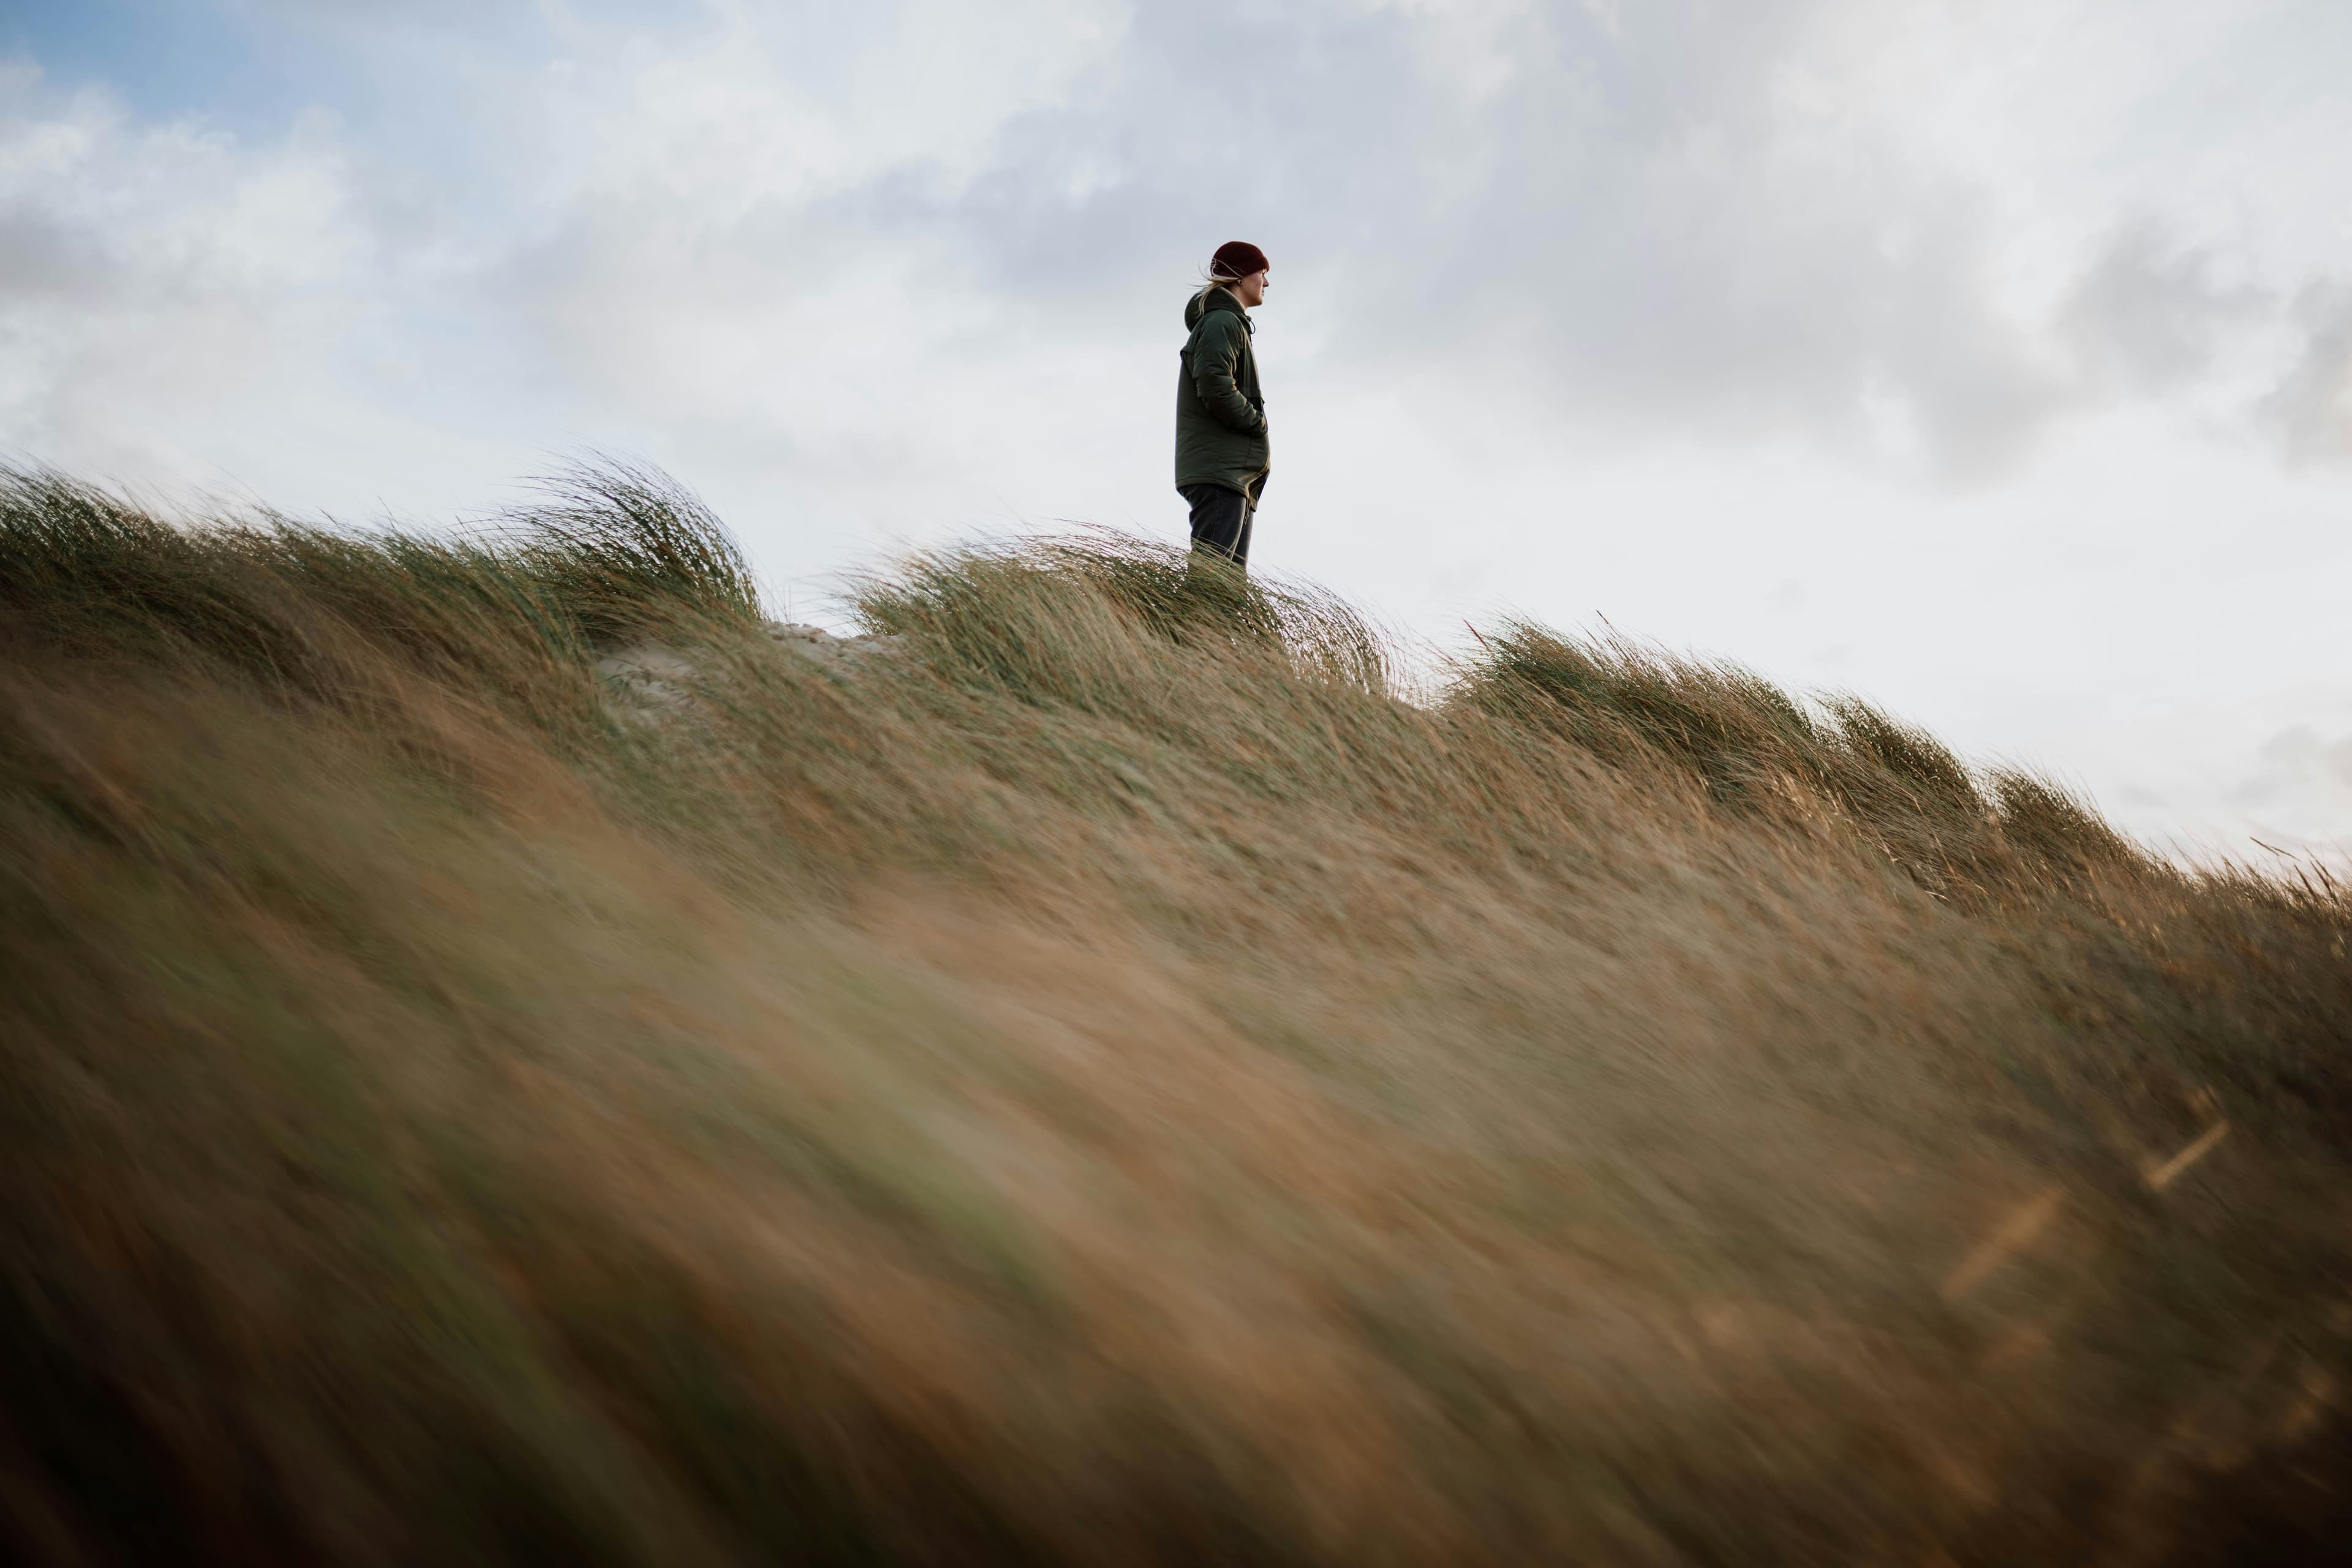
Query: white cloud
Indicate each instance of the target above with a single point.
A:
(153, 273)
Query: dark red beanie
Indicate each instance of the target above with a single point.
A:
(1237, 258)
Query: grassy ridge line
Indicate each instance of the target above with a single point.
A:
(1108, 1083)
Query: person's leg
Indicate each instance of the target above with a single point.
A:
(1241, 543)
(1220, 521)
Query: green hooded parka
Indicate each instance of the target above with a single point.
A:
(1221, 435)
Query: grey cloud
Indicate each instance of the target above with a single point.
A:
(1623, 221)
(1627, 221)
(2148, 314)
(2311, 409)
(1626, 224)
(40, 258)
(1294, 130)
(1672, 254)
(1685, 291)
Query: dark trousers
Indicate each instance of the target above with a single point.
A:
(1221, 521)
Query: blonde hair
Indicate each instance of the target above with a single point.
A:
(1209, 279)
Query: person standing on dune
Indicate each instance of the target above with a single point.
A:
(1223, 456)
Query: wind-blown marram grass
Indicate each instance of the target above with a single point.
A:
(1103, 1081)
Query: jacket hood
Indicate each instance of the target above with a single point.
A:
(1200, 305)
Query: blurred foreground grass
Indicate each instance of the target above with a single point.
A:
(1102, 1080)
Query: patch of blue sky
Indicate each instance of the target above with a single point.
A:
(174, 59)
(403, 78)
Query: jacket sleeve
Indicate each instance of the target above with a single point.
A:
(1216, 357)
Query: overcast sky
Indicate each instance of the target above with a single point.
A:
(1990, 358)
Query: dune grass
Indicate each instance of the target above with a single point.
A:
(1104, 1079)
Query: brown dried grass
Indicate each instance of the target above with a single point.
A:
(1109, 1082)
